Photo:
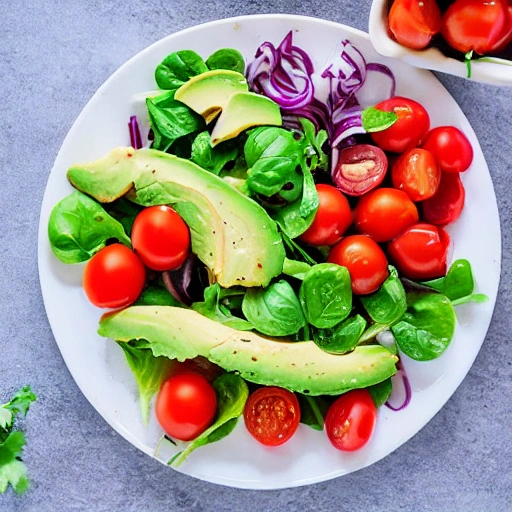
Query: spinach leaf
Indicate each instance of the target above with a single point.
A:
(388, 303)
(313, 410)
(149, 372)
(212, 159)
(375, 120)
(474, 297)
(381, 392)
(342, 338)
(154, 295)
(177, 68)
(79, 227)
(124, 211)
(296, 250)
(326, 295)
(427, 327)
(294, 268)
(232, 393)
(274, 310)
(170, 120)
(226, 58)
(457, 283)
(212, 308)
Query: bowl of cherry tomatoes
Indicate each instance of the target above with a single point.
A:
(466, 38)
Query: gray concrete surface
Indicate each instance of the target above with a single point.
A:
(54, 54)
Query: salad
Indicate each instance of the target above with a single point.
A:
(270, 247)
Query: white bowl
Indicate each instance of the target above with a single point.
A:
(496, 72)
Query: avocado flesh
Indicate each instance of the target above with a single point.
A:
(230, 233)
(244, 110)
(298, 366)
(208, 93)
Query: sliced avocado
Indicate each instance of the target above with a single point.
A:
(231, 234)
(208, 93)
(298, 366)
(244, 110)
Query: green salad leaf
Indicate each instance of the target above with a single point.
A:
(79, 227)
(177, 68)
(381, 392)
(212, 159)
(375, 120)
(155, 295)
(294, 268)
(227, 58)
(457, 283)
(314, 153)
(124, 212)
(313, 410)
(342, 338)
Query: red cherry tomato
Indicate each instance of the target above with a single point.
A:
(272, 415)
(451, 147)
(417, 174)
(365, 261)
(446, 205)
(186, 405)
(384, 213)
(350, 420)
(160, 238)
(420, 251)
(410, 128)
(332, 218)
(480, 25)
(359, 169)
(114, 277)
(414, 22)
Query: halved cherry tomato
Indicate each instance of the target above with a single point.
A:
(410, 128)
(186, 405)
(160, 238)
(446, 205)
(359, 169)
(451, 147)
(272, 415)
(350, 420)
(480, 25)
(365, 261)
(384, 213)
(420, 251)
(114, 277)
(414, 22)
(332, 218)
(417, 174)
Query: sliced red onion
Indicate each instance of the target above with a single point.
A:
(178, 281)
(402, 388)
(135, 138)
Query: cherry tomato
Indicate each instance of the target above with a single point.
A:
(384, 213)
(186, 405)
(332, 218)
(365, 261)
(414, 22)
(160, 238)
(417, 174)
(446, 206)
(420, 251)
(451, 147)
(359, 169)
(480, 25)
(410, 128)
(350, 420)
(272, 415)
(114, 277)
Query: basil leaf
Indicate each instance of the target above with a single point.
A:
(326, 295)
(343, 338)
(427, 327)
(212, 159)
(79, 227)
(232, 393)
(153, 295)
(313, 410)
(177, 68)
(381, 392)
(375, 120)
(274, 310)
(226, 58)
(457, 283)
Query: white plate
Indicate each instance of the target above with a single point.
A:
(98, 365)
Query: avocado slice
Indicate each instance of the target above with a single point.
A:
(230, 233)
(208, 93)
(298, 366)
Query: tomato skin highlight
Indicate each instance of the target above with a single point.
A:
(332, 218)
(186, 405)
(384, 213)
(410, 128)
(114, 277)
(365, 261)
(420, 252)
(446, 205)
(350, 420)
(414, 22)
(160, 238)
(272, 415)
(417, 174)
(451, 148)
